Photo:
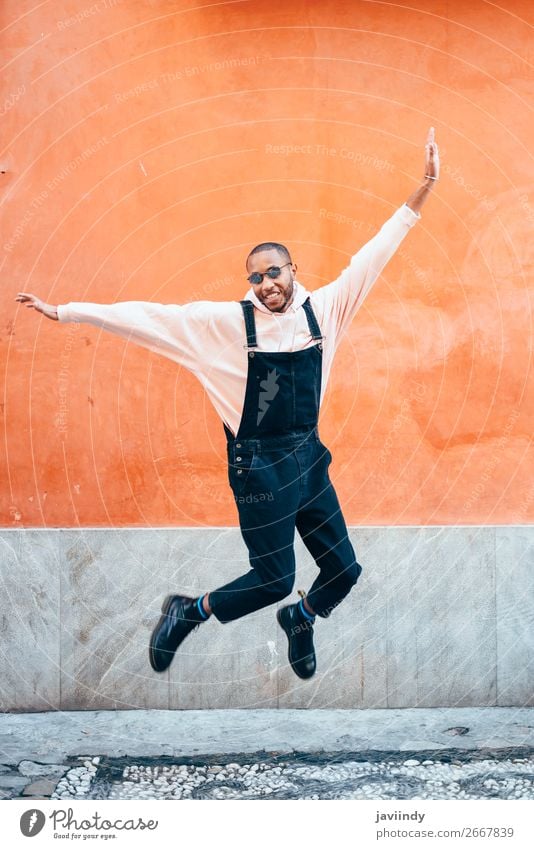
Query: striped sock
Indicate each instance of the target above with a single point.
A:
(200, 608)
(307, 616)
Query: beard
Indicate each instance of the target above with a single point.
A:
(282, 299)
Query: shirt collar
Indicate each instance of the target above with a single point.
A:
(300, 296)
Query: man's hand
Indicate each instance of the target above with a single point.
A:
(431, 156)
(34, 303)
(417, 198)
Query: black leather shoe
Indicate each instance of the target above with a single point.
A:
(301, 652)
(180, 617)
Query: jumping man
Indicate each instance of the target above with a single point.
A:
(264, 362)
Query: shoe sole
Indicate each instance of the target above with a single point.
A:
(164, 611)
(302, 677)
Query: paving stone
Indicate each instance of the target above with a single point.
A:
(31, 769)
(43, 787)
(13, 781)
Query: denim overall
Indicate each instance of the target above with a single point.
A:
(278, 473)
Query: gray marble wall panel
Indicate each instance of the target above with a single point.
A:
(30, 617)
(230, 665)
(515, 615)
(440, 617)
(111, 582)
(350, 644)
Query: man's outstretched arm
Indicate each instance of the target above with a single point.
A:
(35, 303)
(175, 331)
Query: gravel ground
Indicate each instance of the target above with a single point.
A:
(409, 753)
(438, 775)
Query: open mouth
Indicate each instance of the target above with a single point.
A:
(272, 296)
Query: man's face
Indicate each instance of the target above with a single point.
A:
(276, 294)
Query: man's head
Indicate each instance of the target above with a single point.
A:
(276, 293)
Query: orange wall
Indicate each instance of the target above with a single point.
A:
(139, 165)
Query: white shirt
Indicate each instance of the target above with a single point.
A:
(209, 338)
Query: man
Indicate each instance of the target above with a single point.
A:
(264, 363)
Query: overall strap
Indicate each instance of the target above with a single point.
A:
(250, 324)
(315, 330)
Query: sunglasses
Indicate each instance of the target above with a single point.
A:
(256, 278)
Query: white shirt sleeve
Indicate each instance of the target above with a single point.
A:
(343, 297)
(172, 330)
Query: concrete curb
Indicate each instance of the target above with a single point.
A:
(53, 737)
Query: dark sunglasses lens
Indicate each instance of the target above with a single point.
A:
(255, 278)
(275, 272)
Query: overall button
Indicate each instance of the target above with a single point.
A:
(238, 445)
(240, 471)
(238, 459)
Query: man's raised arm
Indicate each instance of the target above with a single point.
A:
(417, 198)
(344, 296)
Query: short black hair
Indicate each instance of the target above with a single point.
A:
(271, 246)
